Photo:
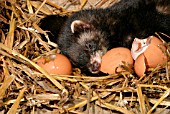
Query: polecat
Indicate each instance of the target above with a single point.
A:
(88, 34)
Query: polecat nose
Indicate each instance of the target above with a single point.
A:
(96, 67)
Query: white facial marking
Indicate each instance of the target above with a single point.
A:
(90, 35)
(96, 57)
(86, 36)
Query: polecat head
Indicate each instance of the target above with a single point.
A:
(90, 46)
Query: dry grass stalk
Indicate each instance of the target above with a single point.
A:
(14, 107)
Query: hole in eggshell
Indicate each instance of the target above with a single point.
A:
(52, 56)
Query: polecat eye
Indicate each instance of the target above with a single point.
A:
(90, 46)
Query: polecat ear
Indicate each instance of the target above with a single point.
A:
(78, 26)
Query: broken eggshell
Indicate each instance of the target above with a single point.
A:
(140, 66)
(112, 60)
(148, 53)
(55, 64)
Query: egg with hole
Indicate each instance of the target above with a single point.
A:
(114, 58)
(152, 51)
(55, 64)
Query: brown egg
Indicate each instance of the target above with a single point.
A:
(112, 60)
(55, 64)
(149, 54)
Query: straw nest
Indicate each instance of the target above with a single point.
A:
(27, 88)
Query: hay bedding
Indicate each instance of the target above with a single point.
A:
(27, 88)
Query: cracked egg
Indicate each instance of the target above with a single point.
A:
(148, 53)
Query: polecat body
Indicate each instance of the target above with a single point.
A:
(88, 34)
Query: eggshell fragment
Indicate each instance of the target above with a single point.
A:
(112, 60)
(55, 64)
(140, 66)
(139, 46)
